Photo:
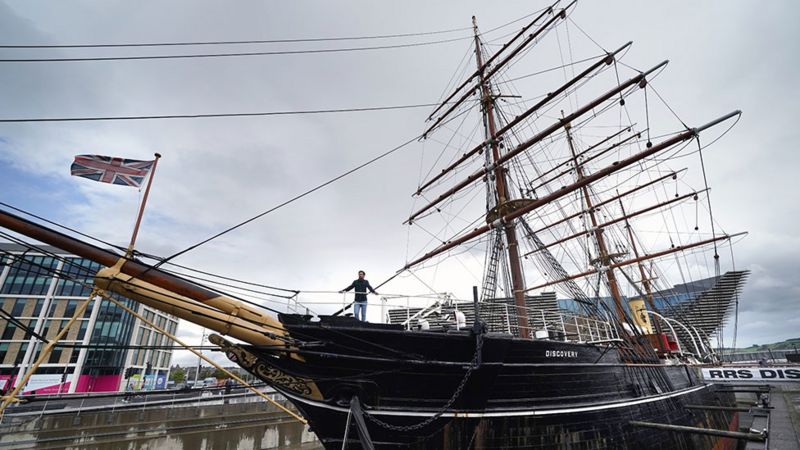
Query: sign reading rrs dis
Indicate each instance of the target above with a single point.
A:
(753, 374)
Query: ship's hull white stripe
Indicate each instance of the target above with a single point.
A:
(507, 413)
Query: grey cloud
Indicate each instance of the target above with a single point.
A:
(216, 172)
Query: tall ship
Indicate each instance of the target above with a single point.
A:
(582, 208)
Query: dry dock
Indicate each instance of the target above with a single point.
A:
(244, 422)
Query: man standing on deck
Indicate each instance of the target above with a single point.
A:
(360, 304)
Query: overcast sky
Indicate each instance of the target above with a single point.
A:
(216, 172)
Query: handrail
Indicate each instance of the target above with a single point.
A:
(554, 325)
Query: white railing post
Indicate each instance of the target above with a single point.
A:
(578, 329)
(408, 313)
(544, 322)
(563, 328)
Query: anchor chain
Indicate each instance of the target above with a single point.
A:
(474, 364)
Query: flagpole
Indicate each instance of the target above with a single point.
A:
(141, 207)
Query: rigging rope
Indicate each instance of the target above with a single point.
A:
(157, 258)
(291, 200)
(215, 115)
(228, 55)
(261, 41)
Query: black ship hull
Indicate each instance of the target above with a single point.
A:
(599, 426)
(431, 390)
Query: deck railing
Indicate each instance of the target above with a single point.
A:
(438, 312)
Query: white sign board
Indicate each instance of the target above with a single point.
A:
(42, 381)
(752, 374)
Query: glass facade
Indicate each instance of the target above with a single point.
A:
(29, 275)
(112, 329)
(42, 292)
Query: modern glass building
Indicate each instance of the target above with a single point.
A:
(41, 292)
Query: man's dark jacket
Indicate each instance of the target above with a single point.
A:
(361, 287)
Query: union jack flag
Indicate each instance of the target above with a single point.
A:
(125, 172)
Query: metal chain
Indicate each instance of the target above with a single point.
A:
(472, 366)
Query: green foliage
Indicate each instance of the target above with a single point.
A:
(783, 345)
(178, 375)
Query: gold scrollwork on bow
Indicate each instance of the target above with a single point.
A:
(266, 372)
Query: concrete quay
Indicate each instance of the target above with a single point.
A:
(221, 422)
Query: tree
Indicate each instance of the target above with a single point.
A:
(178, 375)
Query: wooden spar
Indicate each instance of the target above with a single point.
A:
(141, 207)
(209, 360)
(512, 245)
(588, 160)
(636, 260)
(645, 279)
(44, 354)
(613, 286)
(754, 437)
(680, 137)
(523, 116)
(596, 226)
(485, 75)
(237, 325)
(537, 138)
(590, 148)
(489, 61)
(605, 202)
(160, 290)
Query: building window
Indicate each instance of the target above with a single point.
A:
(8, 333)
(146, 337)
(82, 329)
(29, 275)
(38, 308)
(73, 356)
(80, 273)
(71, 306)
(19, 306)
(21, 354)
(3, 352)
(31, 325)
(55, 356)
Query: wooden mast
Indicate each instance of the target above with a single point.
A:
(602, 249)
(541, 135)
(565, 190)
(487, 102)
(605, 225)
(491, 60)
(645, 257)
(648, 289)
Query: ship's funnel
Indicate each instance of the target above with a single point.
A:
(640, 316)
